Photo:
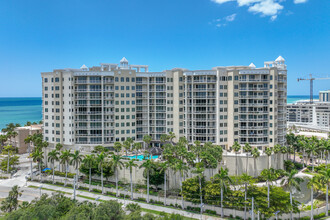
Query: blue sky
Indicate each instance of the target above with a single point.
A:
(38, 36)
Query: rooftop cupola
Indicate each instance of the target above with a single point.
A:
(280, 60)
(252, 66)
(84, 68)
(124, 63)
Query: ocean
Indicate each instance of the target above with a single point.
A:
(21, 110)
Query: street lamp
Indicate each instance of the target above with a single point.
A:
(40, 189)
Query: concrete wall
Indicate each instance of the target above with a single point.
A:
(229, 161)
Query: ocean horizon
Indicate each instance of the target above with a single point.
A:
(23, 109)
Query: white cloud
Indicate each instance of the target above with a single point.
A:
(269, 8)
(230, 18)
(221, 22)
(266, 8)
(299, 1)
(247, 2)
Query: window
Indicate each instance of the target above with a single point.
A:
(116, 79)
(127, 79)
(122, 79)
(46, 80)
(46, 88)
(122, 88)
(57, 79)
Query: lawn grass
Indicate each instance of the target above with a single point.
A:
(53, 190)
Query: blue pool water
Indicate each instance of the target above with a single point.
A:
(141, 157)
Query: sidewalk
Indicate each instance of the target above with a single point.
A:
(143, 205)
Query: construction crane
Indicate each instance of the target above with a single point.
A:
(311, 79)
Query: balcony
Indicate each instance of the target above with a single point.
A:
(252, 89)
(253, 119)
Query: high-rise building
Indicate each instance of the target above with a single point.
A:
(108, 103)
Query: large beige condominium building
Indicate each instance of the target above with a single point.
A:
(101, 105)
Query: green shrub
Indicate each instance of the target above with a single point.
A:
(141, 199)
(97, 190)
(210, 212)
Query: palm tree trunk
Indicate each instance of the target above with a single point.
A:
(53, 171)
(8, 162)
(40, 171)
(236, 166)
(222, 214)
(245, 197)
(116, 182)
(268, 162)
(102, 177)
(294, 156)
(165, 188)
(90, 178)
(304, 158)
(200, 192)
(312, 162)
(66, 172)
(77, 175)
(130, 174)
(247, 163)
(148, 186)
(312, 215)
(268, 194)
(181, 190)
(291, 204)
(327, 202)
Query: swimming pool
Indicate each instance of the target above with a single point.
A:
(141, 157)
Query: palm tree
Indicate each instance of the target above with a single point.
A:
(199, 170)
(324, 179)
(28, 141)
(247, 148)
(59, 147)
(246, 179)
(130, 164)
(65, 159)
(117, 146)
(3, 139)
(312, 150)
(37, 156)
(116, 164)
(164, 167)
(277, 149)
(89, 161)
(147, 140)
(224, 180)
(148, 168)
(255, 154)
(9, 149)
(11, 202)
(75, 161)
(137, 147)
(182, 168)
(293, 182)
(171, 136)
(100, 160)
(52, 157)
(268, 152)
(127, 146)
(236, 147)
(313, 183)
(269, 175)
